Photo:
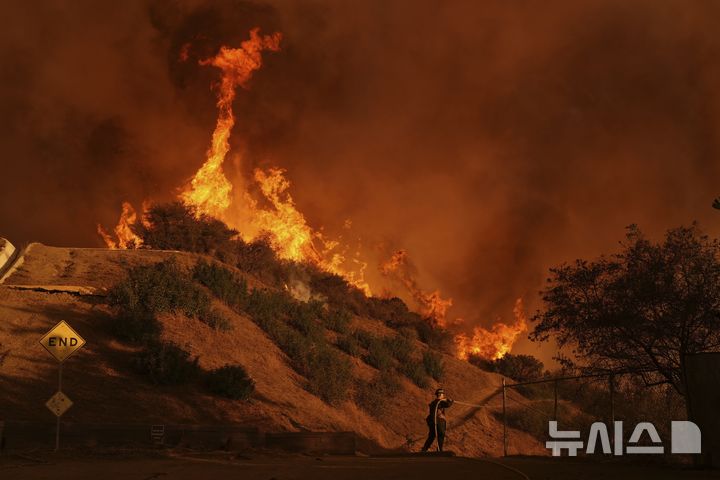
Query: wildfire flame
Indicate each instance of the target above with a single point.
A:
(494, 343)
(432, 304)
(126, 238)
(275, 214)
(209, 190)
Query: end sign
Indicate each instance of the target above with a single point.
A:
(62, 341)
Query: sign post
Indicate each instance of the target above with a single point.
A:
(61, 341)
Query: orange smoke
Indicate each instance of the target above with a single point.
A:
(494, 343)
(125, 237)
(432, 305)
(209, 190)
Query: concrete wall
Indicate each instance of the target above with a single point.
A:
(31, 435)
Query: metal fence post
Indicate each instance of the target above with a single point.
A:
(504, 420)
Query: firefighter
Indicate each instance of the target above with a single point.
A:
(436, 420)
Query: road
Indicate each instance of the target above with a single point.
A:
(288, 467)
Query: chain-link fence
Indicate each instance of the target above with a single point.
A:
(576, 402)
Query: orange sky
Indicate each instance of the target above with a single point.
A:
(490, 140)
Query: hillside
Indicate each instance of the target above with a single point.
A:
(52, 284)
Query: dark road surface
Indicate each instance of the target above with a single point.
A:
(208, 467)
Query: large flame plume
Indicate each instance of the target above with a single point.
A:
(209, 190)
(276, 216)
(494, 343)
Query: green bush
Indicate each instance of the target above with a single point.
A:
(415, 371)
(434, 365)
(167, 364)
(152, 289)
(337, 320)
(373, 396)
(230, 381)
(223, 283)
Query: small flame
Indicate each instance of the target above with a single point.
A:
(494, 343)
(126, 238)
(432, 304)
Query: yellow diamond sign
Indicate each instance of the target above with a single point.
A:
(59, 404)
(62, 341)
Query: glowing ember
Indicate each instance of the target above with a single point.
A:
(494, 343)
(125, 238)
(432, 305)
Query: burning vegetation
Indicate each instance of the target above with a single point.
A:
(272, 219)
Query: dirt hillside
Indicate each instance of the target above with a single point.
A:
(53, 284)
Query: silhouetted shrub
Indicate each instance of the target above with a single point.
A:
(435, 337)
(175, 226)
(373, 396)
(520, 368)
(434, 365)
(337, 291)
(223, 283)
(415, 371)
(166, 364)
(258, 258)
(230, 381)
(152, 289)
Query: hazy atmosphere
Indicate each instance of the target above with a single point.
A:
(491, 140)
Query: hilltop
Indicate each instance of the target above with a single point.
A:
(50, 284)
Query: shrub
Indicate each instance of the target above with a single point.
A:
(400, 348)
(329, 374)
(135, 326)
(349, 344)
(373, 396)
(167, 364)
(435, 337)
(216, 319)
(221, 282)
(175, 226)
(337, 320)
(364, 338)
(415, 371)
(434, 365)
(230, 381)
(378, 356)
(520, 368)
(152, 289)
(258, 258)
